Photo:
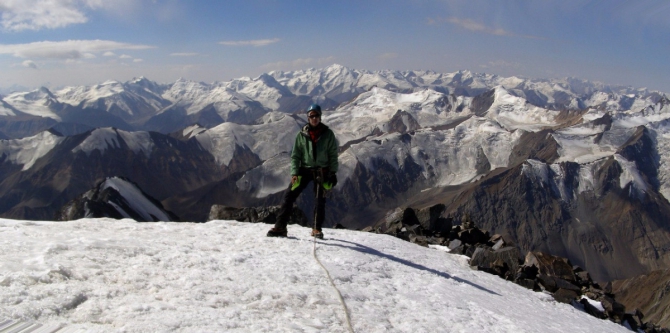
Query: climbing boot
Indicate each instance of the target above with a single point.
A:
(275, 232)
(317, 233)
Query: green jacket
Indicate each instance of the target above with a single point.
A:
(305, 155)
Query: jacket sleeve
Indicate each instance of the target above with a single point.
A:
(333, 164)
(296, 156)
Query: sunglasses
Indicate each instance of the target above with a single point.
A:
(314, 116)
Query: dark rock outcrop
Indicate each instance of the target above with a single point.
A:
(256, 214)
(402, 122)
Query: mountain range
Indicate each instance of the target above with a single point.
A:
(570, 167)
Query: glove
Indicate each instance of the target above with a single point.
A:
(295, 182)
(330, 181)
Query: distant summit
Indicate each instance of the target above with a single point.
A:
(118, 198)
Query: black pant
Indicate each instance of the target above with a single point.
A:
(290, 196)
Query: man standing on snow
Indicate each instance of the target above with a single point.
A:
(314, 158)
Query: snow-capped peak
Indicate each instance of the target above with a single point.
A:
(27, 151)
(38, 102)
(375, 108)
(516, 113)
(102, 139)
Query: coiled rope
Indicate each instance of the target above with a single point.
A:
(339, 295)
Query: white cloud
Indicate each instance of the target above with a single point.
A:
(475, 26)
(29, 64)
(109, 54)
(184, 54)
(138, 60)
(256, 42)
(125, 56)
(19, 15)
(71, 49)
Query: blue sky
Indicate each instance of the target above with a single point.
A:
(81, 42)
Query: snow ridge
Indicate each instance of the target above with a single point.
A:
(135, 199)
(102, 139)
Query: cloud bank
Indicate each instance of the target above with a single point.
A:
(256, 42)
(475, 26)
(19, 15)
(71, 49)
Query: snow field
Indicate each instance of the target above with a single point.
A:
(105, 275)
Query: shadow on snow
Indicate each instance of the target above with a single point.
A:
(369, 250)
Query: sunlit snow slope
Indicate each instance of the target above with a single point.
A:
(104, 275)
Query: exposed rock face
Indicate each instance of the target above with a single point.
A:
(171, 166)
(482, 102)
(24, 125)
(402, 122)
(550, 265)
(540, 146)
(116, 198)
(648, 293)
(611, 230)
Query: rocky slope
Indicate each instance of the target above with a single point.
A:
(649, 293)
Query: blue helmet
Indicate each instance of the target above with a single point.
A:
(314, 107)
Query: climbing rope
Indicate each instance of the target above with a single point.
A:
(339, 295)
(319, 193)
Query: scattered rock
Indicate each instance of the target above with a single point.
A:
(565, 295)
(583, 278)
(473, 236)
(528, 283)
(430, 218)
(255, 214)
(454, 244)
(495, 255)
(501, 261)
(592, 310)
(550, 265)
